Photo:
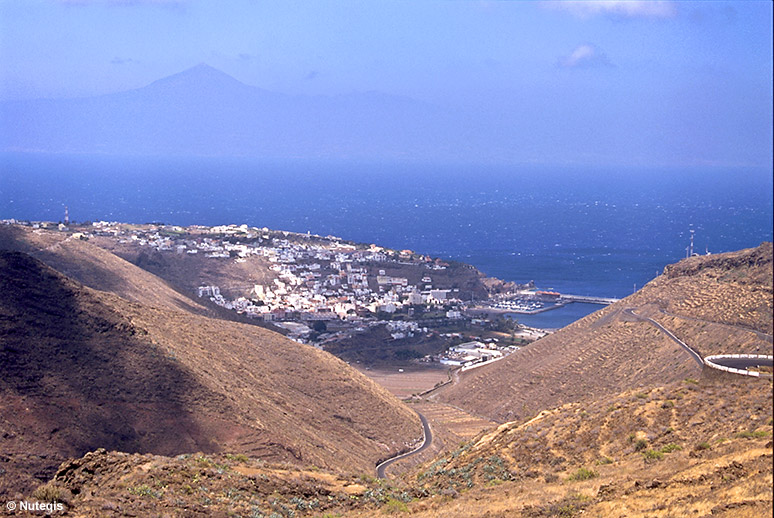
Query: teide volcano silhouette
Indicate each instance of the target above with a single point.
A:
(202, 111)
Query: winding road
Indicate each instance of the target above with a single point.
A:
(426, 442)
(734, 363)
(696, 356)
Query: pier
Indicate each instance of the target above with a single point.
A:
(605, 301)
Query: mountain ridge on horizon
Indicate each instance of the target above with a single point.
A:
(205, 111)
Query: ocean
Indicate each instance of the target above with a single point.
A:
(585, 231)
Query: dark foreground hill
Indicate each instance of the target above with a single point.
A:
(716, 304)
(84, 369)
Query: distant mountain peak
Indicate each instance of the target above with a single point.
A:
(201, 75)
(204, 69)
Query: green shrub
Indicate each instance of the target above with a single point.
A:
(757, 434)
(582, 474)
(651, 455)
(393, 506)
(669, 448)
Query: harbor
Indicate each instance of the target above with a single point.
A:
(536, 302)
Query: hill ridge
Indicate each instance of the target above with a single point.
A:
(609, 351)
(89, 369)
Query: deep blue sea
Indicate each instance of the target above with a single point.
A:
(587, 231)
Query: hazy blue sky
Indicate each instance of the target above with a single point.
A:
(685, 83)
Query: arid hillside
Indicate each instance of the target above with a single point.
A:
(665, 439)
(84, 369)
(716, 304)
(691, 448)
(94, 267)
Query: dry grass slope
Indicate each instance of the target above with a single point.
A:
(94, 267)
(716, 304)
(85, 369)
(691, 448)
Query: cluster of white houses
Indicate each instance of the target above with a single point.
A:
(325, 279)
(470, 353)
(313, 281)
(308, 291)
(312, 278)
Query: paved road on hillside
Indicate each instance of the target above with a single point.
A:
(696, 356)
(428, 440)
(742, 363)
(759, 334)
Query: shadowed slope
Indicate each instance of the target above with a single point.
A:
(84, 369)
(95, 267)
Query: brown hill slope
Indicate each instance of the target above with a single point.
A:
(94, 267)
(716, 304)
(685, 449)
(84, 369)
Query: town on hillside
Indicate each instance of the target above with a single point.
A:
(362, 302)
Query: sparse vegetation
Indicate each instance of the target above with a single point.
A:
(145, 490)
(652, 455)
(392, 506)
(754, 434)
(640, 444)
(239, 457)
(582, 474)
(669, 448)
(52, 492)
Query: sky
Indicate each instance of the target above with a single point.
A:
(620, 82)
